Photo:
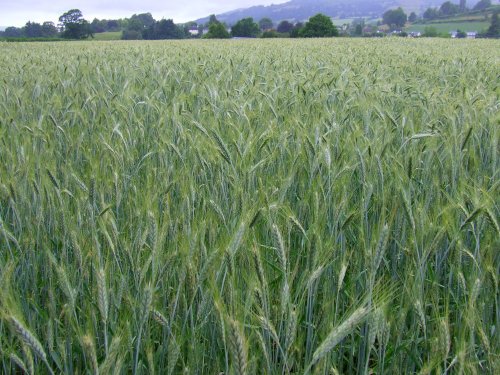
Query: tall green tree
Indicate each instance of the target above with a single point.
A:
(144, 19)
(482, 4)
(297, 28)
(212, 19)
(412, 17)
(49, 30)
(74, 26)
(163, 29)
(217, 30)
(13, 32)
(431, 13)
(448, 8)
(98, 26)
(266, 24)
(285, 27)
(395, 17)
(319, 26)
(245, 28)
(33, 30)
(494, 29)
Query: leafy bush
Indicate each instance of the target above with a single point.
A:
(319, 26)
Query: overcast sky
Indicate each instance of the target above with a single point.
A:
(18, 12)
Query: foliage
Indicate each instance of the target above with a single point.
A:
(213, 19)
(430, 32)
(74, 25)
(130, 34)
(431, 14)
(32, 30)
(144, 19)
(274, 34)
(217, 30)
(319, 26)
(245, 28)
(494, 29)
(49, 30)
(295, 33)
(304, 9)
(395, 17)
(284, 27)
(463, 5)
(448, 8)
(13, 32)
(163, 29)
(277, 207)
(413, 17)
(103, 26)
(482, 4)
(138, 25)
(266, 24)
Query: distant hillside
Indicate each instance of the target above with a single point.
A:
(478, 21)
(299, 10)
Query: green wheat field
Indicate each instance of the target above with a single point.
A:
(250, 207)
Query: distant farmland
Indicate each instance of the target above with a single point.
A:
(446, 27)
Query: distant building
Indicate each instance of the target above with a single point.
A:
(469, 34)
(194, 31)
(367, 30)
(384, 29)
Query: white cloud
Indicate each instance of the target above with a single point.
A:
(18, 12)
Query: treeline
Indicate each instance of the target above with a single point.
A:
(144, 26)
(32, 30)
(71, 25)
(317, 26)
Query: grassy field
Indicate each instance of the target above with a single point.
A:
(446, 27)
(243, 207)
(111, 35)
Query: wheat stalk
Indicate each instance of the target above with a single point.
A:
(113, 356)
(28, 357)
(30, 340)
(238, 347)
(89, 347)
(102, 295)
(338, 334)
(19, 363)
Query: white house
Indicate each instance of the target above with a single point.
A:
(469, 34)
(194, 32)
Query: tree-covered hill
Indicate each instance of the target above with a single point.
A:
(299, 10)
